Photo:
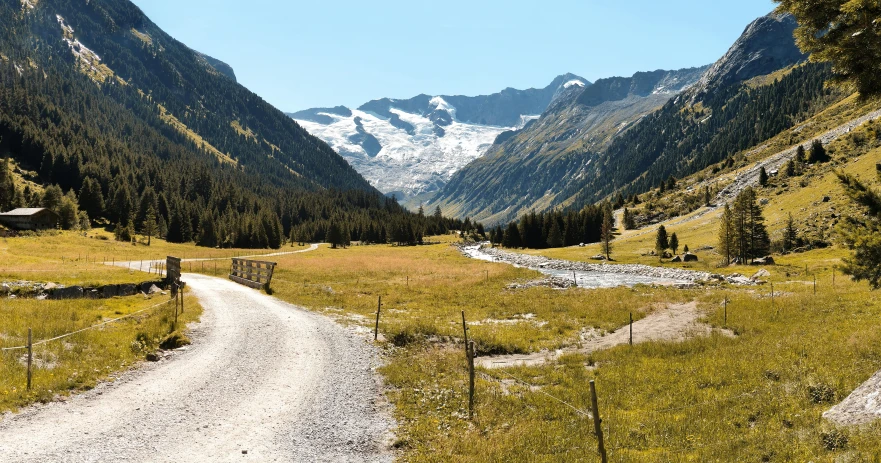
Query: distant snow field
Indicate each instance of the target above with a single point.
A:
(409, 164)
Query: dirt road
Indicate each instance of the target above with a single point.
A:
(263, 381)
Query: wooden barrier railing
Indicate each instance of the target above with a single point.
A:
(253, 273)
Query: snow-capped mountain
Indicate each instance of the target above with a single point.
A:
(411, 148)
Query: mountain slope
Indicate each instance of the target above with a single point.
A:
(412, 147)
(525, 169)
(95, 96)
(756, 90)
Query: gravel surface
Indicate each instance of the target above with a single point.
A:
(601, 275)
(264, 381)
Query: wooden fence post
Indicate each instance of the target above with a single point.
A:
(631, 328)
(175, 311)
(725, 303)
(378, 309)
(815, 285)
(30, 357)
(471, 380)
(181, 292)
(597, 422)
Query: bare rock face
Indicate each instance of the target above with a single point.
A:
(766, 45)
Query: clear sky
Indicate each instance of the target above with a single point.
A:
(301, 54)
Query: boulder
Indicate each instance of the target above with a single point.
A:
(768, 260)
(598, 257)
(666, 255)
(110, 291)
(676, 259)
(128, 290)
(153, 290)
(70, 292)
(760, 274)
(689, 257)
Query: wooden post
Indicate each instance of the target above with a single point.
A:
(465, 331)
(815, 285)
(574, 278)
(376, 329)
(181, 292)
(471, 380)
(725, 323)
(631, 328)
(597, 422)
(833, 276)
(175, 311)
(30, 357)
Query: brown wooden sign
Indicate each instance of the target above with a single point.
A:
(253, 273)
(172, 270)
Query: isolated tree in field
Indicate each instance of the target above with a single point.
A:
(789, 169)
(763, 177)
(790, 234)
(818, 153)
(151, 228)
(674, 243)
(685, 249)
(661, 242)
(862, 234)
(845, 33)
(744, 228)
(607, 232)
(726, 234)
(707, 197)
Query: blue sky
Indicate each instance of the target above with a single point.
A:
(302, 54)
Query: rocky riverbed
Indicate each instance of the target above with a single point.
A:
(604, 274)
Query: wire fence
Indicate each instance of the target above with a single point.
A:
(98, 325)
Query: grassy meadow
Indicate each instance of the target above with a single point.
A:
(756, 397)
(78, 362)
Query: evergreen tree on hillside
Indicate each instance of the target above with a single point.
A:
(661, 241)
(91, 199)
(7, 187)
(818, 153)
(749, 235)
(151, 228)
(844, 33)
(674, 243)
(726, 234)
(629, 222)
(862, 234)
(763, 177)
(51, 199)
(334, 236)
(607, 232)
(790, 234)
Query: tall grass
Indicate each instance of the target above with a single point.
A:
(79, 361)
(755, 397)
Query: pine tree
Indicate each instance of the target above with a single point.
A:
(851, 45)
(789, 169)
(862, 234)
(661, 242)
(674, 243)
(334, 236)
(726, 234)
(685, 249)
(607, 232)
(52, 196)
(707, 197)
(818, 153)
(763, 177)
(790, 234)
(511, 238)
(555, 236)
(629, 221)
(91, 199)
(7, 187)
(151, 228)
(69, 211)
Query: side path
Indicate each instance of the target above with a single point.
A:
(262, 377)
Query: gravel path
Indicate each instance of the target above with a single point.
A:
(677, 322)
(262, 377)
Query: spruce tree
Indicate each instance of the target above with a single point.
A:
(818, 153)
(726, 234)
(674, 243)
(555, 236)
(661, 241)
(7, 187)
(862, 233)
(607, 232)
(91, 199)
(763, 177)
(151, 228)
(511, 238)
(335, 236)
